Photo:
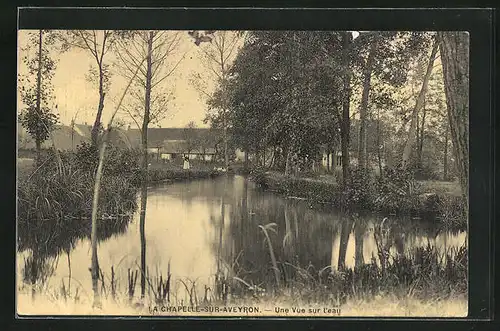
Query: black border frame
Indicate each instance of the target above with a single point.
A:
(479, 22)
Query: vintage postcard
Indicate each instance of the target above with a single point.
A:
(242, 173)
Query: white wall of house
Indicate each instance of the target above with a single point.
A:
(166, 156)
(334, 159)
(239, 155)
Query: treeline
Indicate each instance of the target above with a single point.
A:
(378, 97)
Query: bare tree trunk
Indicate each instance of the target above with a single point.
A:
(100, 107)
(264, 156)
(363, 110)
(69, 272)
(328, 161)
(144, 164)
(346, 121)
(445, 154)
(419, 103)
(454, 48)
(246, 157)
(38, 143)
(421, 137)
(94, 269)
(359, 229)
(379, 152)
(226, 154)
(344, 239)
(288, 162)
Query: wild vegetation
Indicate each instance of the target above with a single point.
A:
(318, 115)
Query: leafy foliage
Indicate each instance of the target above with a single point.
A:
(398, 190)
(36, 90)
(361, 189)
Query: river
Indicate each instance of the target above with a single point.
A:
(185, 231)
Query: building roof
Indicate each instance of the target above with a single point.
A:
(171, 140)
(158, 136)
(64, 138)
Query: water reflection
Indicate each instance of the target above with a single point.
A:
(206, 230)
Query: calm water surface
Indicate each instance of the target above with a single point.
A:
(188, 227)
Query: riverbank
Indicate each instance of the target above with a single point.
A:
(423, 199)
(419, 284)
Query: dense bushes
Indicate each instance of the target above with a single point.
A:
(314, 190)
(160, 175)
(395, 191)
(424, 270)
(451, 211)
(55, 202)
(120, 162)
(361, 189)
(398, 191)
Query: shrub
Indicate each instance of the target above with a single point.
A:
(452, 212)
(361, 188)
(117, 161)
(424, 172)
(398, 191)
(55, 205)
(258, 175)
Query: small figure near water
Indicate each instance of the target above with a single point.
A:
(186, 163)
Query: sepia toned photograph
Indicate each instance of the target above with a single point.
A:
(242, 173)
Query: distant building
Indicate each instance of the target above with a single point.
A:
(169, 144)
(65, 137)
(163, 143)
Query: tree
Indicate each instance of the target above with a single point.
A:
(190, 136)
(345, 127)
(454, 50)
(363, 109)
(218, 53)
(94, 268)
(418, 105)
(98, 44)
(37, 118)
(157, 47)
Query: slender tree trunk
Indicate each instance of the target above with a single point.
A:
(38, 142)
(454, 48)
(100, 107)
(346, 121)
(421, 137)
(94, 269)
(288, 162)
(69, 272)
(359, 230)
(328, 161)
(246, 157)
(144, 164)
(344, 239)
(445, 154)
(419, 103)
(363, 110)
(379, 152)
(264, 156)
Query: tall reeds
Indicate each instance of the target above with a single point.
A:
(265, 228)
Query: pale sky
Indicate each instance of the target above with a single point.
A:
(74, 94)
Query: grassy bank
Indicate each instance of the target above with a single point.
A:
(160, 172)
(420, 283)
(55, 200)
(399, 196)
